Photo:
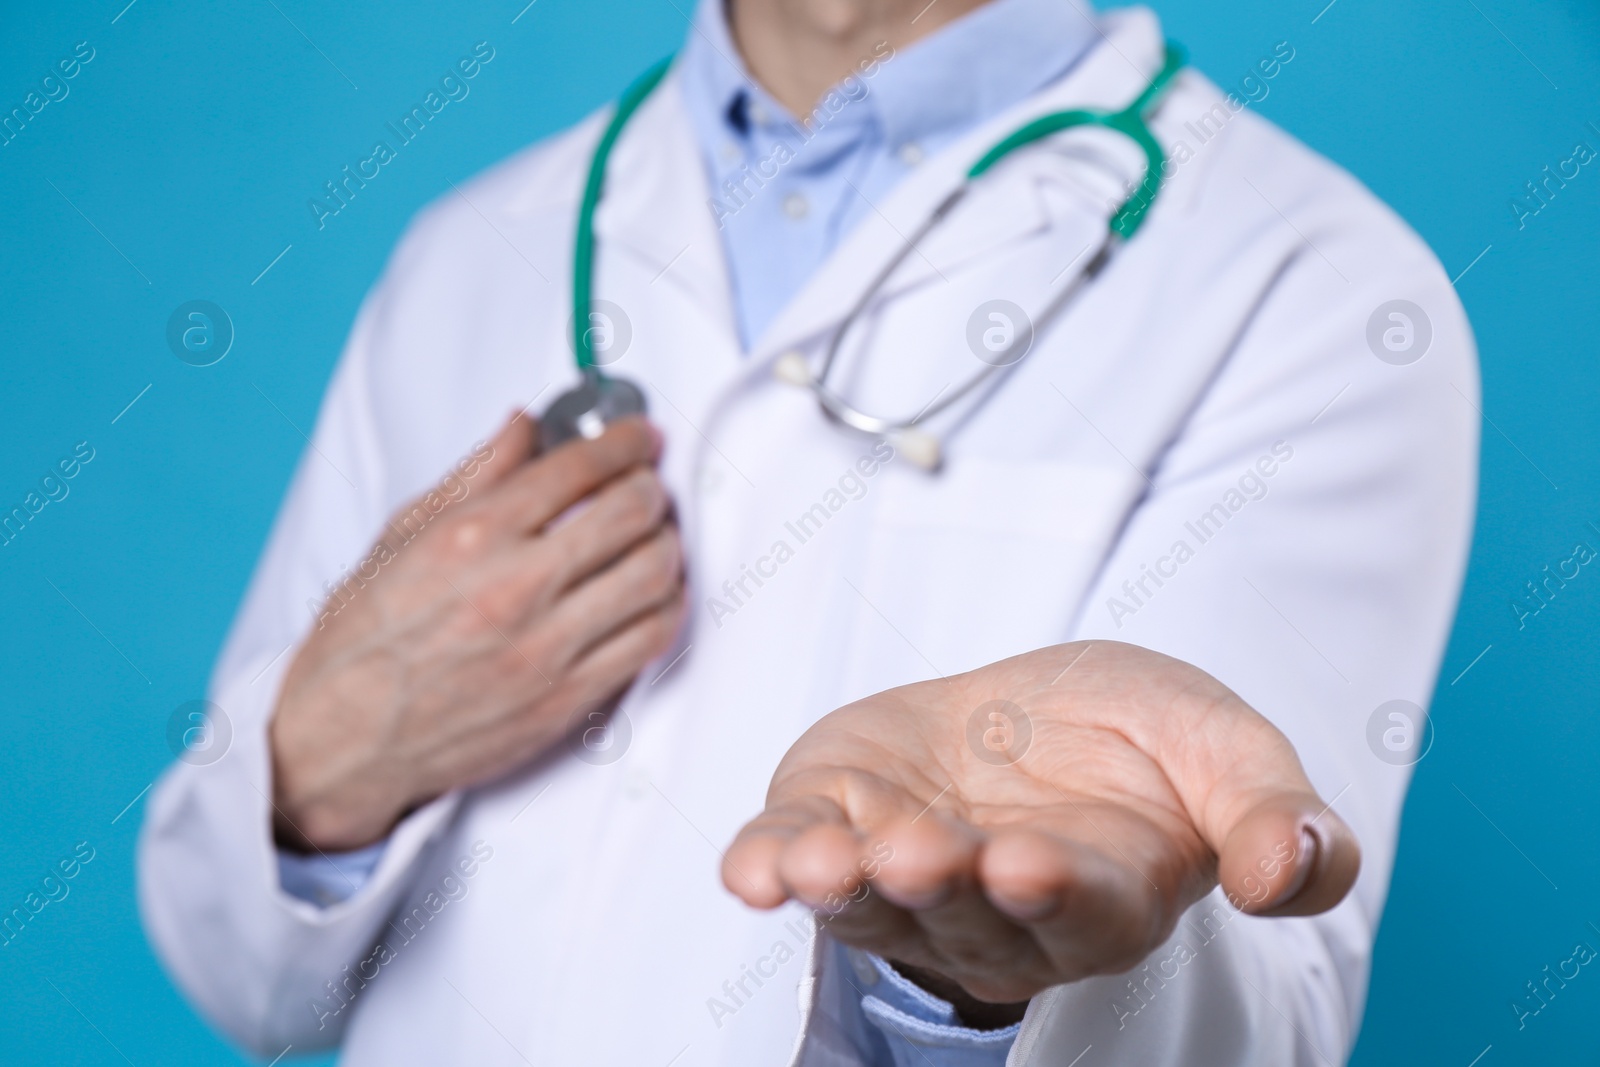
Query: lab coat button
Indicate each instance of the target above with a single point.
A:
(795, 206)
(910, 153)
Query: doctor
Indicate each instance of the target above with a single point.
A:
(1155, 527)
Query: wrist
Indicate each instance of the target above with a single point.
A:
(327, 826)
(322, 804)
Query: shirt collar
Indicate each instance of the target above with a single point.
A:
(1002, 52)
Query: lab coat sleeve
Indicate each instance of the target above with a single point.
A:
(1318, 592)
(267, 968)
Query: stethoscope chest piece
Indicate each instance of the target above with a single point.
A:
(586, 410)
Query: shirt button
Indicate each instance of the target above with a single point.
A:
(710, 480)
(758, 114)
(795, 206)
(911, 153)
(865, 971)
(730, 152)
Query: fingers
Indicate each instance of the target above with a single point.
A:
(821, 863)
(917, 878)
(1084, 910)
(1009, 913)
(608, 666)
(750, 867)
(511, 446)
(647, 575)
(934, 881)
(838, 874)
(622, 513)
(538, 492)
(935, 861)
(1289, 855)
(490, 464)
(807, 852)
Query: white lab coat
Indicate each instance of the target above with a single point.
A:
(595, 929)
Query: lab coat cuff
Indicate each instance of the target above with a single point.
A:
(319, 891)
(325, 887)
(209, 875)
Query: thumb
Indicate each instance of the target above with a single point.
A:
(516, 442)
(1280, 848)
(1289, 854)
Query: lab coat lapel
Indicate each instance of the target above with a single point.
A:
(659, 256)
(656, 250)
(1004, 208)
(655, 205)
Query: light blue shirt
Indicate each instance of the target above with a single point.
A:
(784, 196)
(893, 1022)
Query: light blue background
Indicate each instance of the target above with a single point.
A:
(192, 142)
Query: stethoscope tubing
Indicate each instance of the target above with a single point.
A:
(1129, 121)
(842, 412)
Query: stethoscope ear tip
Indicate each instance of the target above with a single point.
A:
(791, 367)
(920, 448)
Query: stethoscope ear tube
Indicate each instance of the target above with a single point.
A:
(910, 439)
(593, 187)
(792, 367)
(1130, 122)
(583, 411)
(599, 399)
(1123, 224)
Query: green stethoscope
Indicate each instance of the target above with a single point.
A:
(601, 398)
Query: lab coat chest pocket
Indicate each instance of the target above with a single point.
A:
(982, 561)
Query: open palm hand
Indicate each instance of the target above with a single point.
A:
(1041, 819)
